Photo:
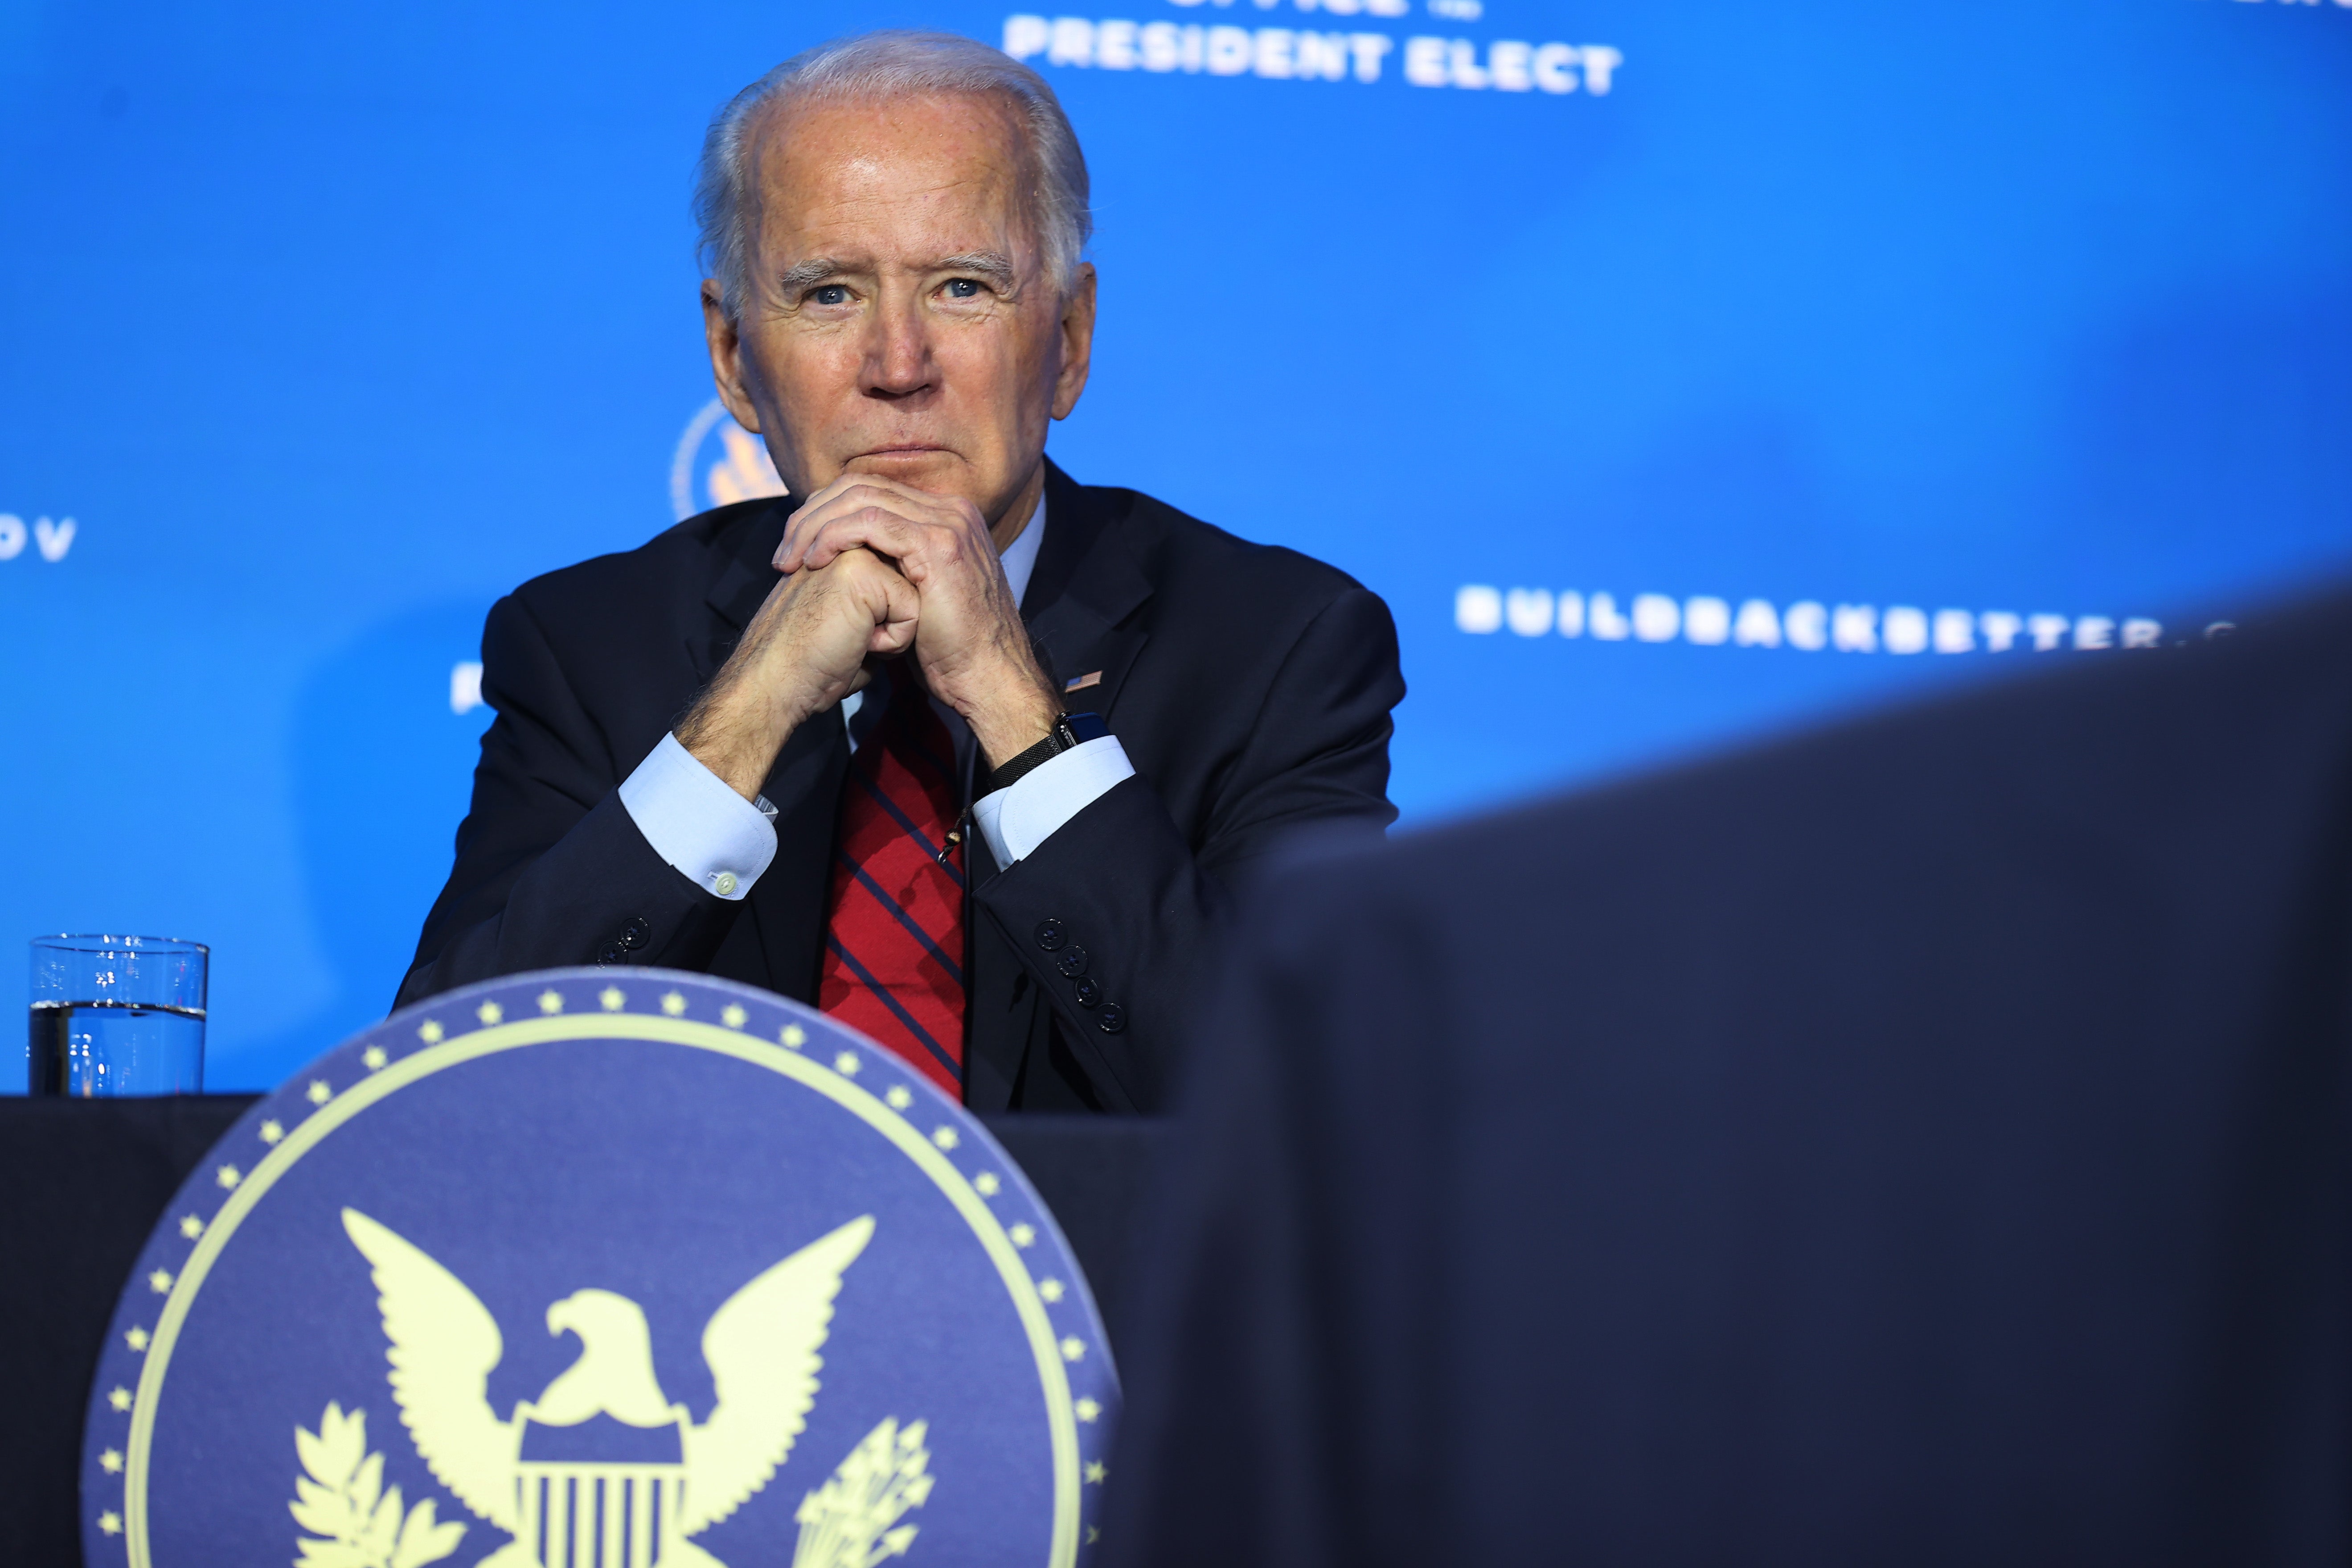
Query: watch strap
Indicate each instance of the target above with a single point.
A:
(1069, 731)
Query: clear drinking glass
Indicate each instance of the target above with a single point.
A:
(116, 1016)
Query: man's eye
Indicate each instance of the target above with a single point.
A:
(830, 294)
(962, 288)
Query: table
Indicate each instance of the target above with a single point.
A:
(86, 1181)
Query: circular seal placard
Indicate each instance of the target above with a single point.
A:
(613, 1267)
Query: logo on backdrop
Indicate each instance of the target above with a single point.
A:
(50, 537)
(1808, 626)
(1309, 53)
(795, 1302)
(718, 463)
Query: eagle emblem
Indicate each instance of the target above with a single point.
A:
(603, 1467)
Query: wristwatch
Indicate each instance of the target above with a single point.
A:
(1069, 730)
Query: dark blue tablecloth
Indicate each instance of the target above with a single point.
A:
(85, 1180)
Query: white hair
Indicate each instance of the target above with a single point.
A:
(882, 65)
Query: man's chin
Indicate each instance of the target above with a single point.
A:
(928, 468)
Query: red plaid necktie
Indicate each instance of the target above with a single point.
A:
(894, 927)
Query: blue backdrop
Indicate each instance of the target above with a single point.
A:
(1674, 371)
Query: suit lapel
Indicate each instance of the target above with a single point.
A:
(1087, 583)
(738, 585)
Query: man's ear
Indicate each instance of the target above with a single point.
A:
(727, 369)
(1077, 340)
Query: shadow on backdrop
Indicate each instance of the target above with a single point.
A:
(383, 769)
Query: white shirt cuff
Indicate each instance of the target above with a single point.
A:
(1014, 821)
(696, 822)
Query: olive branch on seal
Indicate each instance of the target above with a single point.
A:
(343, 1499)
(846, 1522)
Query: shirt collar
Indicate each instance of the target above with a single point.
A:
(1020, 557)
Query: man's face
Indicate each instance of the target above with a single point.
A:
(897, 319)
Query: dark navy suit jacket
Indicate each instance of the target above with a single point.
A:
(1249, 684)
(1921, 1143)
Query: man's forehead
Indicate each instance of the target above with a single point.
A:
(940, 173)
(909, 146)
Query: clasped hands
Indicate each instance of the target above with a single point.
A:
(874, 569)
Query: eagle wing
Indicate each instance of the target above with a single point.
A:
(762, 1346)
(444, 1343)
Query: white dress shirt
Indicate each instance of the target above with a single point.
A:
(700, 824)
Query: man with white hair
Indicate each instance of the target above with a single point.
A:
(960, 751)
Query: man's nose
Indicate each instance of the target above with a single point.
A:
(899, 352)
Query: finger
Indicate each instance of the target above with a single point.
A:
(870, 527)
(920, 549)
(896, 608)
(848, 495)
(793, 552)
(880, 592)
(850, 492)
(810, 513)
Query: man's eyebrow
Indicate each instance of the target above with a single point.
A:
(794, 279)
(987, 263)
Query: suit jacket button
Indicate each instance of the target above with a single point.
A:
(1051, 936)
(1073, 962)
(636, 934)
(611, 952)
(1088, 992)
(1111, 1019)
